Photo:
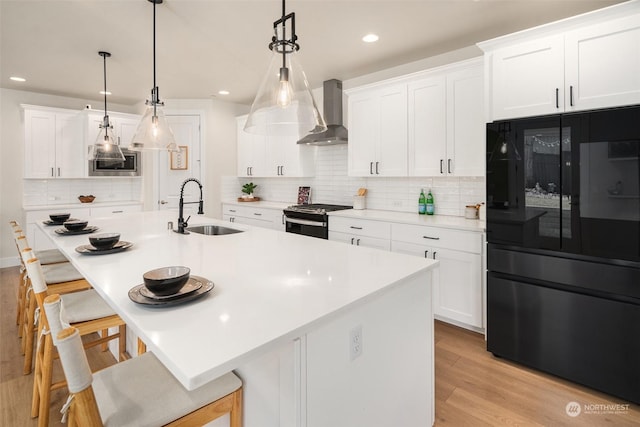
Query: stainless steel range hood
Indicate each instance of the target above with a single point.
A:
(336, 133)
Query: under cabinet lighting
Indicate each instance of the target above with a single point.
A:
(223, 92)
(17, 79)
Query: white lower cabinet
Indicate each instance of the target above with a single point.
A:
(354, 239)
(360, 232)
(259, 217)
(457, 284)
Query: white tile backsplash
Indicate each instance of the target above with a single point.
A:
(333, 185)
(66, 191)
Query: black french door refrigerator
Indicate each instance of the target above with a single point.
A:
(563, 232)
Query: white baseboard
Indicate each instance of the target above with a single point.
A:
(9, 262)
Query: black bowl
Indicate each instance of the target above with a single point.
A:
(59, 217)
(75, 224)
(166, 280)
(104, 241)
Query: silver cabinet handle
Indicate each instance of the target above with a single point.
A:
(117, 211)
(426, 254)
(257, 214)
(377, 173)
(557, 98)
(358, 242)
(352, 240)
(441, 161)
(162, 202)
(434, 254)
(58, 171)
(232, 210)
(355, 228)
(306, 222)
(430, 238)
(52, 175)
(449, 165)
(370, 168)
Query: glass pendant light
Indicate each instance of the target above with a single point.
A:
(106, 147)
(284, 105)
(153, 132)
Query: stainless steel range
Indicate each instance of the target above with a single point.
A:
(310, 220)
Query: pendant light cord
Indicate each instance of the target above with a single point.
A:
(104, 60)
(154, 46)
(284, 35)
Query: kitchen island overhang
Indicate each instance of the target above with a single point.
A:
(271, 289)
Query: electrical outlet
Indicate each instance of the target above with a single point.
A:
(355, 342)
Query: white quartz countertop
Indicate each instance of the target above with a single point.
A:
(455, 222)
(260, 204)
(270, 287)
(78, 204)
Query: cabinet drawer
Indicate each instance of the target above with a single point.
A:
(109, 211)
(360, 227)
(235, 210)
(437, 237)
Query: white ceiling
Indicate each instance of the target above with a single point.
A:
(204, 46)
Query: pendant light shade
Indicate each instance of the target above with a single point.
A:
(106, 146)
(153, 132)
(284, 105)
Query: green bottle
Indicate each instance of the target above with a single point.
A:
(422, 203)
(430, 205)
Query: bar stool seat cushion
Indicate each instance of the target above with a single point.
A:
(59, 273)
(50, 256)
(142, 392)
(85, 305)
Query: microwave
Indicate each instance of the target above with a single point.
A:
(131, 166)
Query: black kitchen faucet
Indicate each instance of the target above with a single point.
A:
(182, 223)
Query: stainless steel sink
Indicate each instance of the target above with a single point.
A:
(212, 230)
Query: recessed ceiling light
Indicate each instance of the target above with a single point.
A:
(223, 92)
(370, 38)
(105, 93)
(17, 79)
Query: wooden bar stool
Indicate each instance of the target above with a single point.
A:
(141, 392)
(85, 310)
(46, 257)
(63, 279)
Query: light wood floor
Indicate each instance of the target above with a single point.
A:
(473, 388)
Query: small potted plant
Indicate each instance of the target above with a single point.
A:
(247, 189)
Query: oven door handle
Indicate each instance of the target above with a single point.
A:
(305, 222)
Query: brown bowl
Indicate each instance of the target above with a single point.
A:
(59, 217)
(86, 199)
(75, 224)
(104, 241)
(166, 280)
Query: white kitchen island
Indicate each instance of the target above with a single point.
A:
(322, 333)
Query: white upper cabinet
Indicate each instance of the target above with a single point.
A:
(427, 126)
(272, 156)
(465, 122)
(54, 144)
(250, 151)
(586, 62)
(528, 78)
(378, 131)
(124, 125)
(602, 65)
(446, 122)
